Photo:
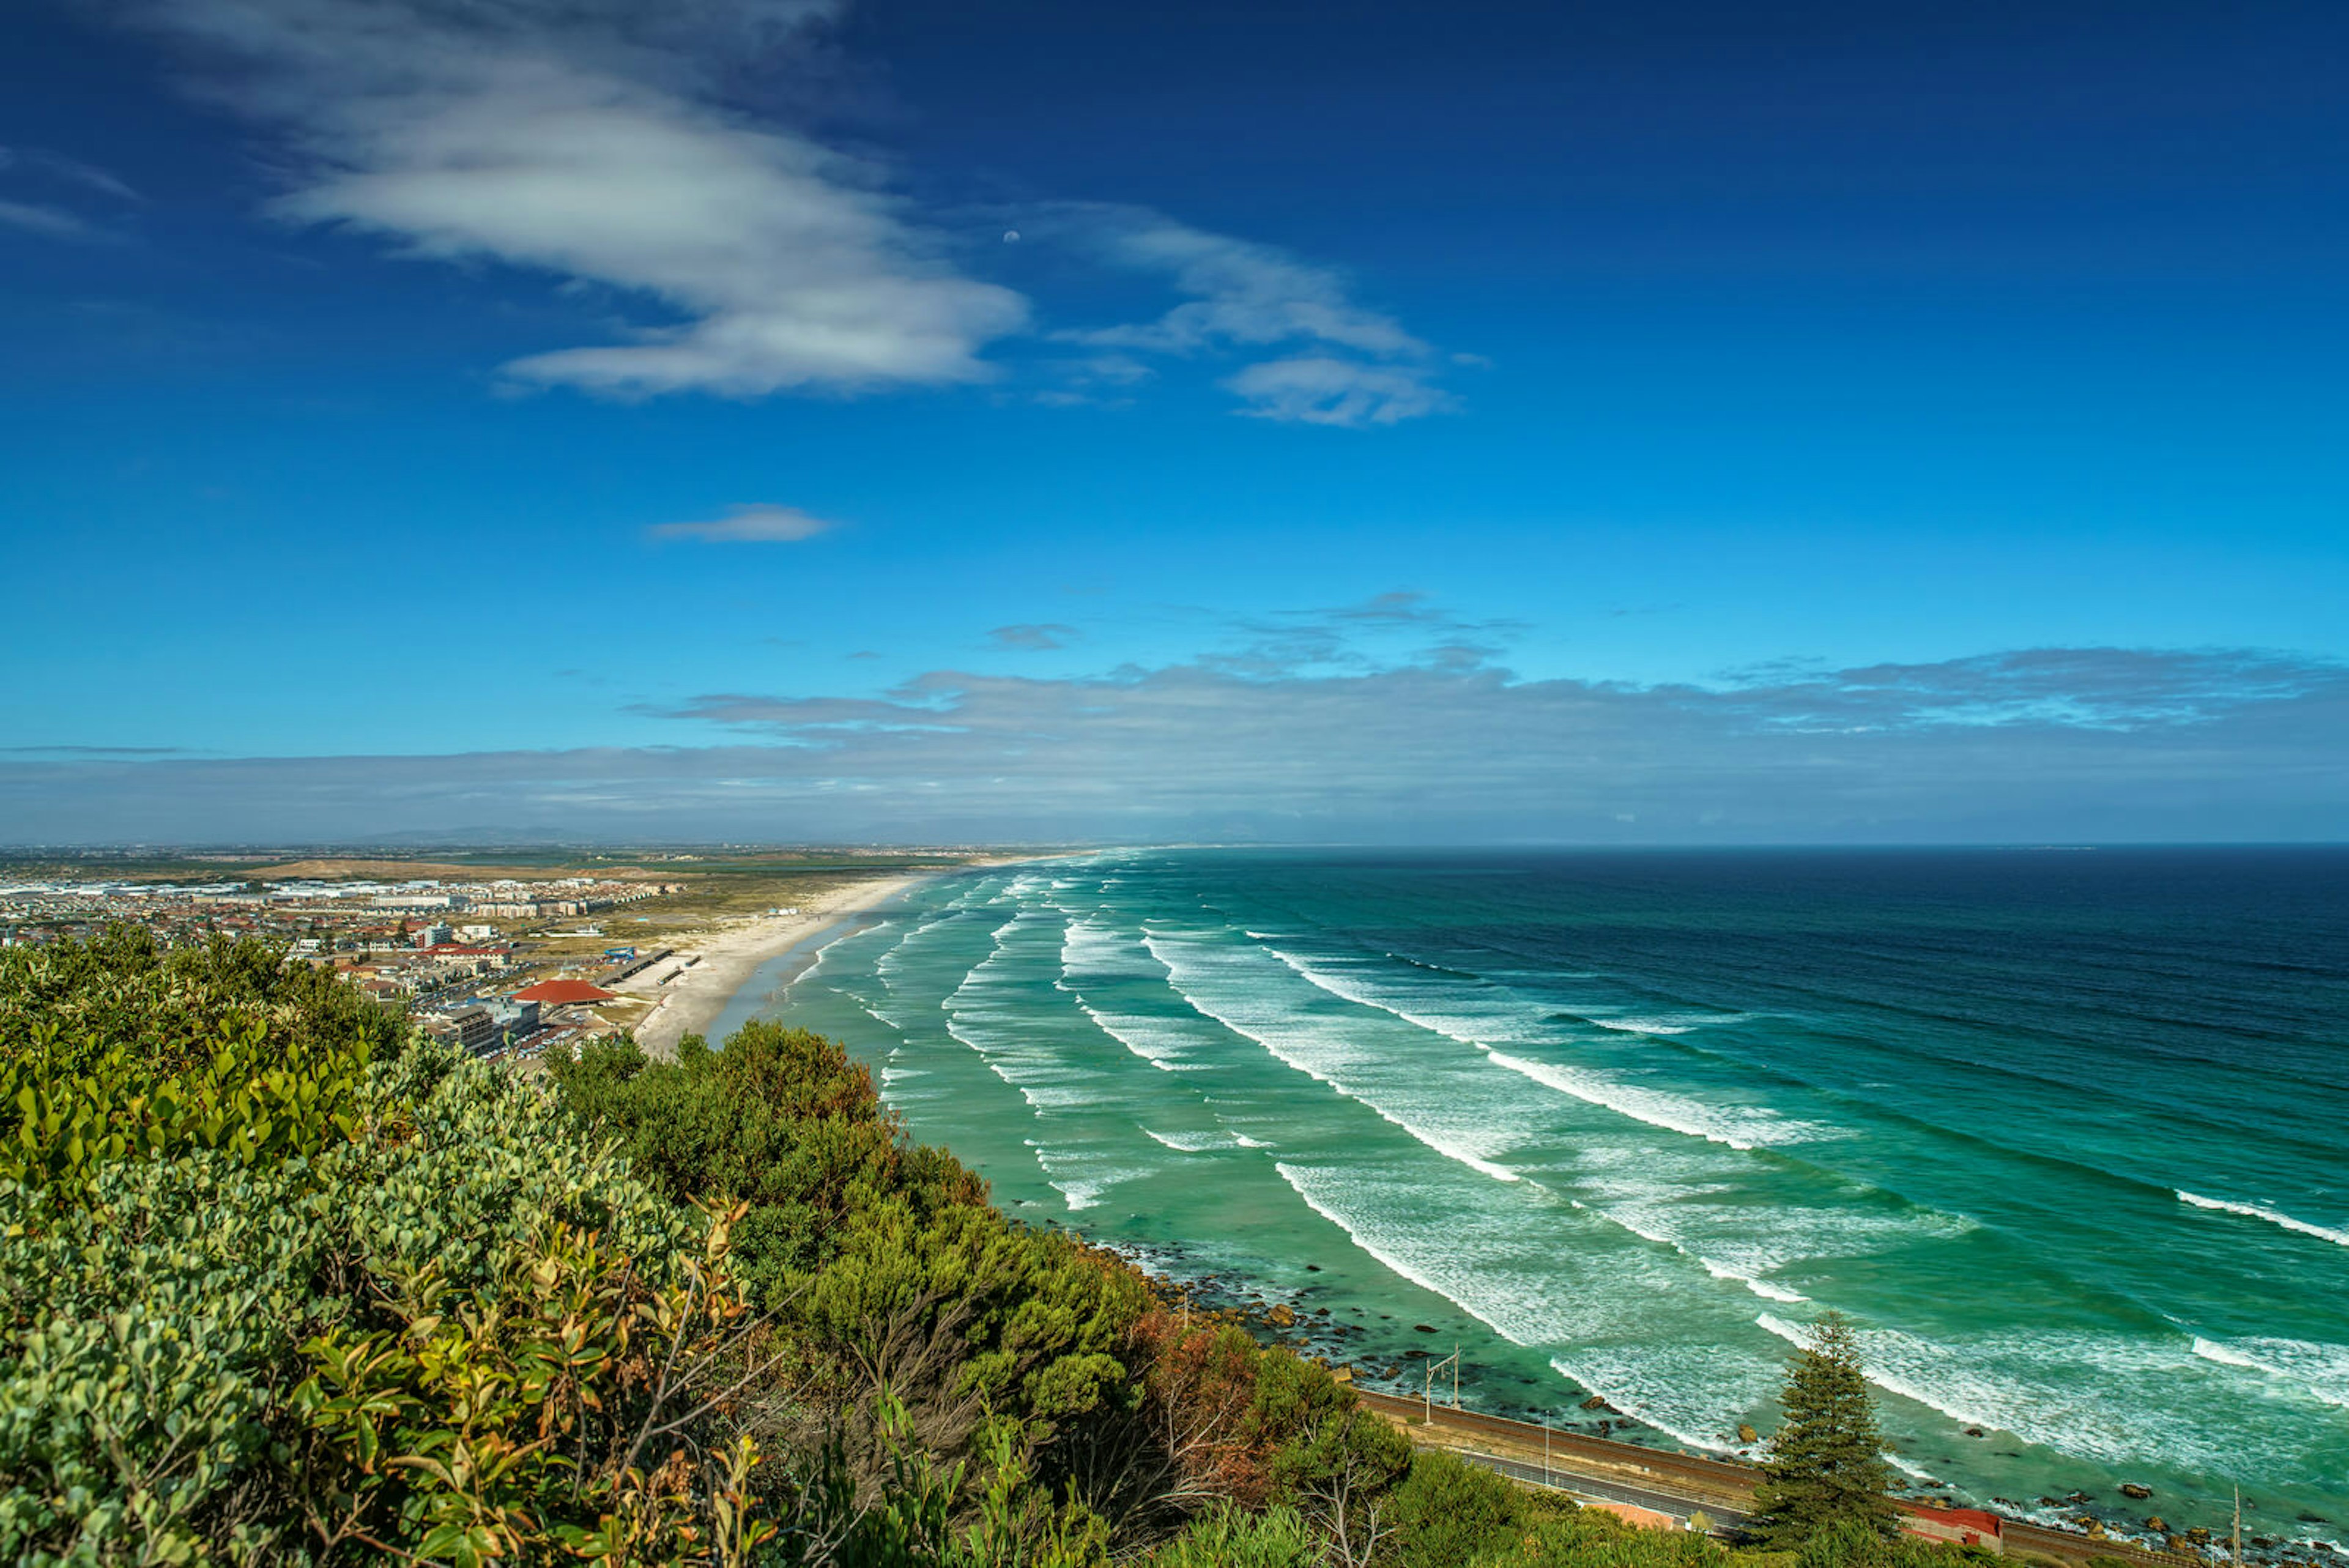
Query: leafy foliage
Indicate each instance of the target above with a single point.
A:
(112, 1050)
(425, 1307)
(145, 1335)
(1231, 1537)
(1589, 1538)
(1449, 1511)
(282, 1284)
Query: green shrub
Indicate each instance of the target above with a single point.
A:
(885, 1264)
(1858, 1544)
(1229, 1537)
(112, 1051)
(282, 1284)
(1447, 1511)
(1592, 1538)
(146, 1336)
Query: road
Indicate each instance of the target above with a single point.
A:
(1558, 1479)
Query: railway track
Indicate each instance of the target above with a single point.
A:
(1679, 1484)
(1712, 1484)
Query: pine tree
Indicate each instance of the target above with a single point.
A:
(1825, 1464)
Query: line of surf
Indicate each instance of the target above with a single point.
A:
(1320, 980)
(1767, 1289)
(2319, 1371)
(1478, 1163)
(2272, 1216)
(1671, 1113)
(1385, 1257)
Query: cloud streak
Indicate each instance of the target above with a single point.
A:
(1360, 366)
(2078, 744)
(49, 219)
(758, 524)
(594, 141)
(585, 139)
(1027, 638)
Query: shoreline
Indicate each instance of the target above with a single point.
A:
(1374, 1361)
(730, 957)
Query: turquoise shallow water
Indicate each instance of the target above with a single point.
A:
(2063, 1131)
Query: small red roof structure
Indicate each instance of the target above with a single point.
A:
(563, 992)
(1967, 1526)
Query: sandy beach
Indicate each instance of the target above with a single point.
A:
(730, 954)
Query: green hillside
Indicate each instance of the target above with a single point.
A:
(285, 1283)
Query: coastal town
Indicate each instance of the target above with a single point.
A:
(500, 966)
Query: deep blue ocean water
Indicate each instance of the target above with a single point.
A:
(2066, 1132)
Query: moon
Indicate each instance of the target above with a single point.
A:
(1011, 237)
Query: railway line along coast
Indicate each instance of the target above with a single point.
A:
(1657, 1486)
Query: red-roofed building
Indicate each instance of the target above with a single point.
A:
(563, 994)
(1957, 1526)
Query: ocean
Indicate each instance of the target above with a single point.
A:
(2065, 1132)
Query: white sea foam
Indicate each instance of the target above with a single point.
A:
(1090, 950)
(1665, 1025)
(1906, 1469)
(997, 1032)
(1676, 1389)
(1349, 989)
(2080, 1393)
(1728, 1272)
(1765, 1289)
(1148, 1038)
(1744, 1128)
(889, 963)
(1082, 1193)
(2272, 1216)
(1316, 1055)
(1079, 1194)
(1437, 1264)
(2225, 1356)
(2319, 1370)
(1193, 1143)
(1060, 1097)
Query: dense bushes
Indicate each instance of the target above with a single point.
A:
(894, 1285)
(366, 1299)
(282, 1284)
(115, 1050)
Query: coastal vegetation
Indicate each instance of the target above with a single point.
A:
(285, 1282)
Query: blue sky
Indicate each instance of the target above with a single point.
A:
(1690, 422)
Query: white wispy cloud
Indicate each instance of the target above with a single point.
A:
(53, 219)
(1318, 389)
(1241, 292)
(1033, 638)
(757, 525)
(2045, 745)
(585, 138)
(57, 166)
(1356, 365)
(594, 141)
(39, 218)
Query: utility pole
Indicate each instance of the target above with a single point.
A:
(1427, 1387)
(2238, 1525)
